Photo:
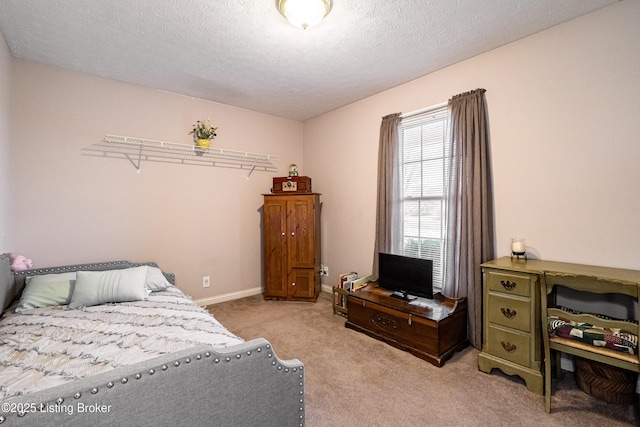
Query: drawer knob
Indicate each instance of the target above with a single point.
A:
(508, 346)
(507, 312)
(508, 285)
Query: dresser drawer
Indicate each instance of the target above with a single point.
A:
(510, 312)
(508, 282)
(510, 345)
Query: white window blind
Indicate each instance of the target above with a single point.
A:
(423, 158)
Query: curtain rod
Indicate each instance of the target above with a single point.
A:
(422, 110)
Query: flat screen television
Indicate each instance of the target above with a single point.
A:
(408, 277)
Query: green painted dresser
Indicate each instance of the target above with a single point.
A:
(511, 327)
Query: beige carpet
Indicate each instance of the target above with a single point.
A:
(354, 380)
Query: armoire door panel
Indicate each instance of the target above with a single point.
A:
(301, 221)
(275, 250)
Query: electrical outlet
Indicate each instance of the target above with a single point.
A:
(324, 271)
(206, 281)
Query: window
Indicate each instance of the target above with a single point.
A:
(424, 148)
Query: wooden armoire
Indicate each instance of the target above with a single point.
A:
(291, 239)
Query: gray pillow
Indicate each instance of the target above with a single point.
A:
(156, 280)
(46, 290)
(100, 287)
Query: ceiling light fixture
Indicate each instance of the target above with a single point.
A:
(304, 13)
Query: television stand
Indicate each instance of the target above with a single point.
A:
(432, 329)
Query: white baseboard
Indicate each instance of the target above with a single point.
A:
(242, 294)
(228, 297)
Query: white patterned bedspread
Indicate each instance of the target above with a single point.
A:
(45, 347)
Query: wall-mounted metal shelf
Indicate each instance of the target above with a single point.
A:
(138, 149)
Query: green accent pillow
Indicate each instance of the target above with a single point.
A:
(100, 287)
(156, 280)
(46, 290)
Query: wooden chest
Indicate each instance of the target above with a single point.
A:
(430, 329)
(292, 184)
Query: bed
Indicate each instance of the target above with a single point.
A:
(116, 343)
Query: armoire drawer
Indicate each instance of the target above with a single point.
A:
(510, 312)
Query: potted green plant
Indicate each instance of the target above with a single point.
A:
(203, 133)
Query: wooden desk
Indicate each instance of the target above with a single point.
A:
(512, 325)
(432, 329)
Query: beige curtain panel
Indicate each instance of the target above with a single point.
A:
(470, 220)
(388, 181)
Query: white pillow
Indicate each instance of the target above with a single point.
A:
(156, 280)
(100, 287)
(46, 290)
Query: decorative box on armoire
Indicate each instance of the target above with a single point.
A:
(291, 241)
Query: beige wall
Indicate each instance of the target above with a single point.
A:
(563, 107)
(193, 220)
(6, 201)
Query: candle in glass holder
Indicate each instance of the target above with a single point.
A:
(518, 246)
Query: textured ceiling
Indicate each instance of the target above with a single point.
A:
(244, 53)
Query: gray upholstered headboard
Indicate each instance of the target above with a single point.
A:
(6, 282)
(12, 283)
